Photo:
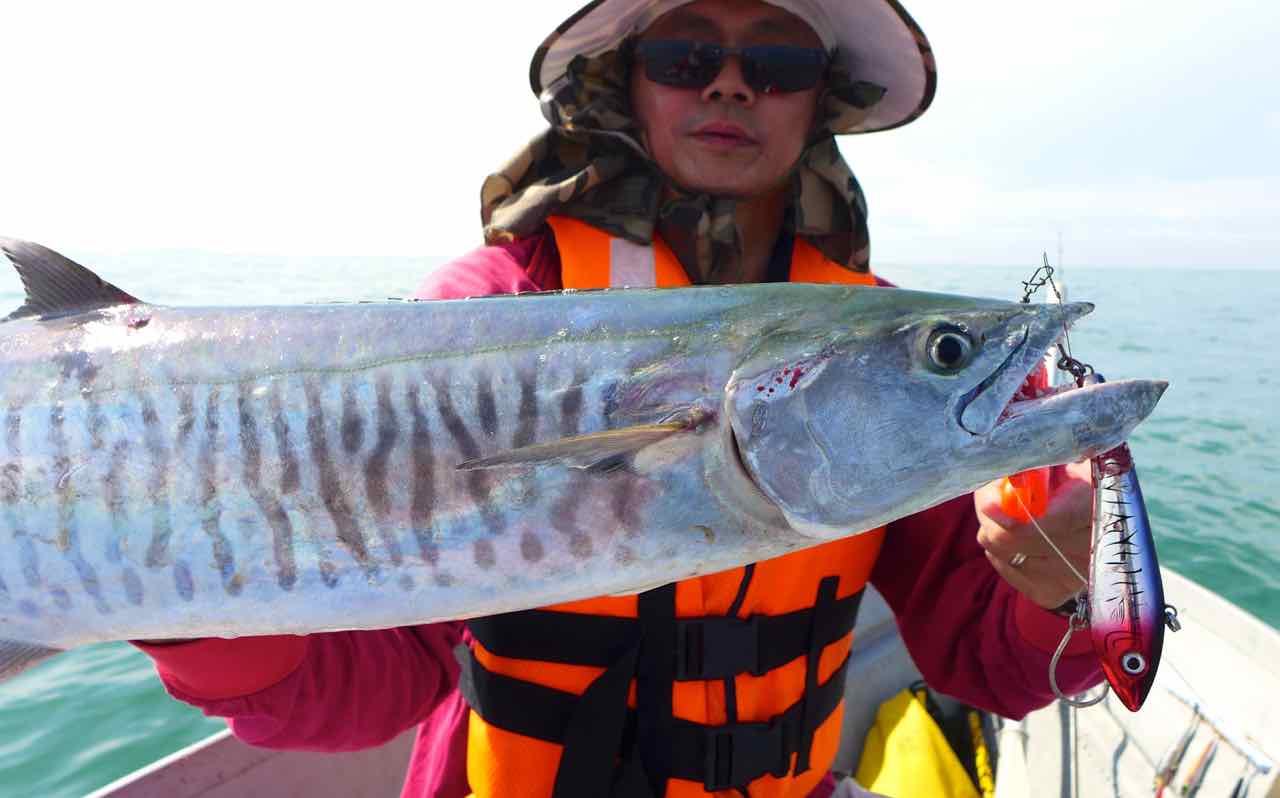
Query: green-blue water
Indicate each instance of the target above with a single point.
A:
(1207, 458)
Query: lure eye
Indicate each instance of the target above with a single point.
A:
(1134, 663)
(949, 349)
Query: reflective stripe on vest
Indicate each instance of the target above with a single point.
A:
(590, 258)
(740, 676)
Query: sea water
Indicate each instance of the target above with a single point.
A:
(1207, 459)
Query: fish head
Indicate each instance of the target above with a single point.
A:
(910, 402)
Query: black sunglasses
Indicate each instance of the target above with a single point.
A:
(766, 68)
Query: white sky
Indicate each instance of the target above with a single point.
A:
(1145, 132)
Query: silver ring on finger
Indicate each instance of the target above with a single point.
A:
(1017, 560)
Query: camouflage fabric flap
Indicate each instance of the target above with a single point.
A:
(589, 165)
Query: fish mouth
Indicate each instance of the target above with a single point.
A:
(991, 401)
(1098, 415)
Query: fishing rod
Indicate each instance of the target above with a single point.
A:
(1224, 729)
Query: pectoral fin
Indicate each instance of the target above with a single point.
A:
(16, 657)
(591, 451)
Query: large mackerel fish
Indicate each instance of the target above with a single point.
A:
(182, 472)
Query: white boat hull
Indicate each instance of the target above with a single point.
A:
(1230, 659)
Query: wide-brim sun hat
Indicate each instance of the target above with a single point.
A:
(874, 41)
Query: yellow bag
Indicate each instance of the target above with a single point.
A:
(907, 756)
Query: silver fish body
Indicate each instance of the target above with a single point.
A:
(171, 472)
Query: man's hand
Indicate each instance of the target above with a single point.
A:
(1043, 577)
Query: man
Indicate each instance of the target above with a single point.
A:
(691, 142)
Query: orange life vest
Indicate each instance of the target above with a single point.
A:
(697, 688)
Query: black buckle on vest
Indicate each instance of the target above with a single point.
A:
(740, 753)
(717, 648)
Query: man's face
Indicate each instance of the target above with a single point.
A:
(726, 139)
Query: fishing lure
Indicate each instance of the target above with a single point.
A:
(1195, 779)
(1172, 758)
(1122, 604)
(1127, 613)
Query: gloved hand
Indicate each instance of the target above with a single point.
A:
(1042, 576)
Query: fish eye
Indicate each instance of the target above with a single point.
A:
(1134, 663)
(949, 349)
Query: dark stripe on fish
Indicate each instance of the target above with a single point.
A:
(223, 556)
(13, 430)
(528, 412)
(486, 406)
(335, 502)
(564, 511)
(526, 430)
(328, 574)
(531, 547)
(89, 581)
(11, 476)
(78, 364)
(61, 597)
(95, 422)
(476, 480)
(483, 553)
(375, 468)
(10, 483)
(352, 422)
(157, 487)
(68, 531)
(186, 412)
(132, 586)
(115, 498)
(270, 507)
(621, 485)
(622, 501)
(182, 581)
(28, 558)
(11, 473)
(571, 406)
(424, 486)
(290, 474)
(61, 472)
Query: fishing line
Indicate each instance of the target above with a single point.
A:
(1052, 545)
(1043, 276)
(1040, 278)
(1066, 362)
(1078, 622)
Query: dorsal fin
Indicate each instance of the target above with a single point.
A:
(57, 286)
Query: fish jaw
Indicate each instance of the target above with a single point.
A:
(983, 407)
(1072, 424)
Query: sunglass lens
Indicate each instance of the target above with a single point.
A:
(685, 65)
(770, 69)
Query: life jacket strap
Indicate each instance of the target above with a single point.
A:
(712, 647)
(721, 757)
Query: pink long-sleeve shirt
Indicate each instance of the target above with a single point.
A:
(972, 635)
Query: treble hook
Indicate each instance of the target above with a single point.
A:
(1078, 623)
